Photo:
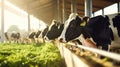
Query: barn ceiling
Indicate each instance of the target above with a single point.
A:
(46, 9)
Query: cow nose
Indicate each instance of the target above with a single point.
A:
(61, 40)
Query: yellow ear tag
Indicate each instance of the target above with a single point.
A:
(83, 23)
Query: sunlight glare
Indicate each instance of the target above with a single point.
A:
(16, 16)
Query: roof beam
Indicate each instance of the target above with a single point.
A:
(80, 4)
(68, 8)
(112, 1)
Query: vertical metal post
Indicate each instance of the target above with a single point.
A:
(73, 6)
(118, 7)
(93, 14)
(88, 8)
(64, 10)
(2, 21)
(55, 7)
(103, 11)
(58, 10)
(29, 23)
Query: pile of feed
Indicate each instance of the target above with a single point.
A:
(30, 55)
(90, 58)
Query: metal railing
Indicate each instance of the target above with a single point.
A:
(111, 55)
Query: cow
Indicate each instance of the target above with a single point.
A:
(37, 34)
(7, 36)
(98, 30)
(94, 32)
(43, 33)
(37, 38)
(116, 28)
(24, 38)
(15, 36)
(116, 23)
(31, 36)
(12, 36)
(55, 29)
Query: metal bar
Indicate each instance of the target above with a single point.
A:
(58, 10)
(64, 11)
(102, 11)
(88, 8)
(73, 6)
(28, 22)
(101, 52)
(2, 21)
(93, 14)
(118, 7)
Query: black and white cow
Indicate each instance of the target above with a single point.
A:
(44, 32)
(12, 36)
(32, 35)
(99, 30)
(15, 36)
(95, 31)
(37, 34)
(55, 29)
(115, 25)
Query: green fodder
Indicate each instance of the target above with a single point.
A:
(30, 55)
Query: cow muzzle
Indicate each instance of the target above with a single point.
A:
(46, 38)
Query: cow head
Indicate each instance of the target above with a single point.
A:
(116, 23)
(72, 28)
(32, 34)
(54, 31)
(15, 35)
(38, 33)
(44, 32)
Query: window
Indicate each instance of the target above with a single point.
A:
(111, 9)
(98, 13)
(18, 17)
(34, 22)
